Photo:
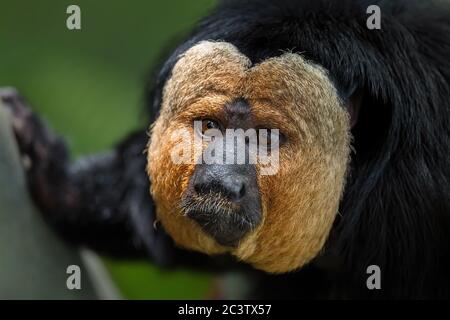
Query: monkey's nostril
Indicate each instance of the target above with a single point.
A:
(238, 192)
(234, 188)
(198, 188)
(242, 191)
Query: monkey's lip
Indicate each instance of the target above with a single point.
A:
(227, 231)
(227, 226)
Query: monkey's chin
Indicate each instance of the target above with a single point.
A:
(254, 252)
(269, 259)
(279, 255)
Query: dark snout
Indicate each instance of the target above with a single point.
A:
(224, 200)
(217, 179)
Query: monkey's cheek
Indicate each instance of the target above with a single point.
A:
(183, 230)
(168, 183)
(293, 232)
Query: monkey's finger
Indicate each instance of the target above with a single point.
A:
(36, 141)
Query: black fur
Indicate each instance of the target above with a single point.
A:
(396, 209)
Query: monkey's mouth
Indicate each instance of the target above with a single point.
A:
(223, 221)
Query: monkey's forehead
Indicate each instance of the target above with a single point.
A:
(218, 68)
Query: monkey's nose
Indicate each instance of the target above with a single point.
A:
(215, 183)
(233, 186)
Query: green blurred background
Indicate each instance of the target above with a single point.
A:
(89, 84)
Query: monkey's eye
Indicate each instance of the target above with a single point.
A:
(209, 124)
(265, 137)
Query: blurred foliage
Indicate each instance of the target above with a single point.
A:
(89, 85)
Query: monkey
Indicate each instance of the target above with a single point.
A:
(363, 144)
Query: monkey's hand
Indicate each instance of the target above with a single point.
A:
(101, 201)
(85, 202)
(44, 155)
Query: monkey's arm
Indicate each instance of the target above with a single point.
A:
(101, 201)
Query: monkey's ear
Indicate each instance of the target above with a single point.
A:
(353, 105)
(352, 98)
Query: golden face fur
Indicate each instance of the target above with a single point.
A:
(299, 202)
